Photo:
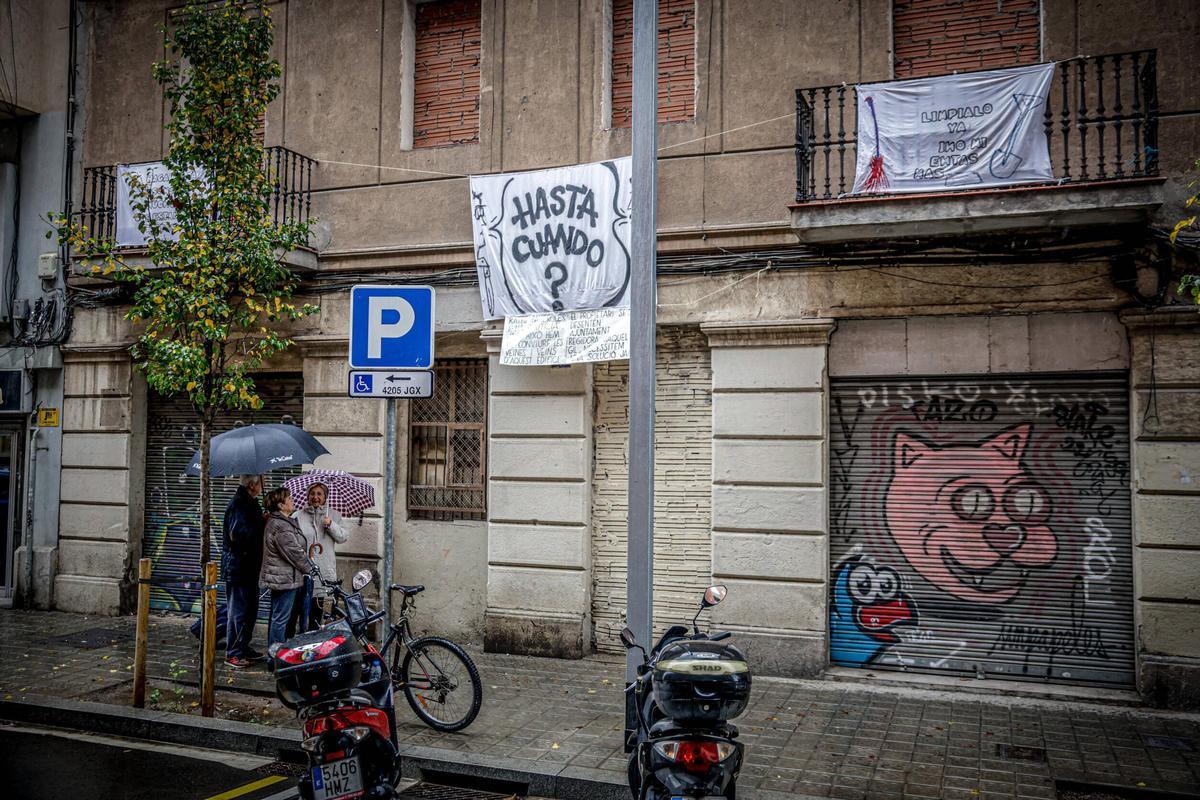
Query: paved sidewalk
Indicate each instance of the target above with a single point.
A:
(820, 738)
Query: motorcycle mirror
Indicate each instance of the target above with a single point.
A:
(713, 595)
(361, 579)
(628, 639)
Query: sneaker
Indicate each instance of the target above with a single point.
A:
(254, 655)
(236, 662)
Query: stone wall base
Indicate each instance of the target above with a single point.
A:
(99, 596)
(535, 636)
(783, 655)
(1170, 682)
(45, 567)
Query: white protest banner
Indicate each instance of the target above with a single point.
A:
(954, 131)
(157, 179)
(552, 240)
(565, 337)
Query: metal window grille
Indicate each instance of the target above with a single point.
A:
(447, 436)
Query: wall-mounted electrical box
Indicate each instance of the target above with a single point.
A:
(48, 264)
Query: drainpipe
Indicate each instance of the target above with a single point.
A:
(30, 471)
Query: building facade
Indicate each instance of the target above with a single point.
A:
(40, 80)
(946, 432)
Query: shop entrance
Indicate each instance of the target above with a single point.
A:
(10, 505)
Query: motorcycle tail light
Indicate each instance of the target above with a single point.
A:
(358, 722)
(695, 756)
(308, 652)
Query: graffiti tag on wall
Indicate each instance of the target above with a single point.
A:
(997, 507)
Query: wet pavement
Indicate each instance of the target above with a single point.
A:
(851, 740)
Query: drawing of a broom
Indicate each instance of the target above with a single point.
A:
(877, 180)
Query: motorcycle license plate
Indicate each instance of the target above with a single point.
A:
(337, 780)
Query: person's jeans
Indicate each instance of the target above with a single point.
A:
(243, 611)
(285, 611)
(222, 620)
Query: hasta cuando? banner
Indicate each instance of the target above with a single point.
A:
(953, 132)
(552, 240)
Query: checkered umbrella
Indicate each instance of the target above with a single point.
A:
(347, 494)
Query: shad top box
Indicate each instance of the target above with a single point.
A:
(317, 665)
(699, 682)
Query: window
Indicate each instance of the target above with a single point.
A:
(447, 435)
(937, 37)
(676, 61)
(445, 70)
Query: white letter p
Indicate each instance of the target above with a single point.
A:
(378, 330)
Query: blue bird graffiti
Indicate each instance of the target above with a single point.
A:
(868, 604)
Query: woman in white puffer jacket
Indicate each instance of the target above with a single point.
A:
(321, 525)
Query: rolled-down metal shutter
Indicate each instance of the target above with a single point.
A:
(981, 525)
(172, 519)
(682, 485)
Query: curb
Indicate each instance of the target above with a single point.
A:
(556, 781)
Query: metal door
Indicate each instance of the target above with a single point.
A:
(981, 525)
(172, 518)
(682, 485)
(10, 505)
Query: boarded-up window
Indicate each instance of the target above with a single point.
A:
(447, 433)
(938, 37)
(676, 61)
(446, 73)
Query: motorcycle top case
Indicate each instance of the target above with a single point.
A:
(317, 665)
(696, 682)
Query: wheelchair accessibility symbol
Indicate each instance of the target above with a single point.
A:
(362, 383)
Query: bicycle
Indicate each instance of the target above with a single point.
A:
(431, 683)
(434, 671)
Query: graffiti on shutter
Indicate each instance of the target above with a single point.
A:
(171, 535)
(682, 485)
(982, 526)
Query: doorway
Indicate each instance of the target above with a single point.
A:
(10, 505)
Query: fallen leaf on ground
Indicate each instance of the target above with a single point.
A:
(554, 746)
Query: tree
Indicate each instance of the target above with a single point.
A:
(1189, 283)
(209, 305)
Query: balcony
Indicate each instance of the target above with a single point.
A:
(291, 201)
(1101, 122)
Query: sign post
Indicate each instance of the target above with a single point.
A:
(391, 334)
(643, 310)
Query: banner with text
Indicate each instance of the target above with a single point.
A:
(565, 337)
(155, 177)
(552, 240)
(953, 132)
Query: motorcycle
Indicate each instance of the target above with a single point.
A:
(687, 689)
(341, 688)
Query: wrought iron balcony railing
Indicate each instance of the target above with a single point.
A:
(1101, 123)
(290, 174)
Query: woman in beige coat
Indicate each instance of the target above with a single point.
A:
(321, 525)
(285, 563)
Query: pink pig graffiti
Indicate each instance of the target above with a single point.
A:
(970, 518)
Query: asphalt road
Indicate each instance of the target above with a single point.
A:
(44, 764)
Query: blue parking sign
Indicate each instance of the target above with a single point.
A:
(391, 327)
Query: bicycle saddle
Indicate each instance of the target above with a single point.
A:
(409, 590)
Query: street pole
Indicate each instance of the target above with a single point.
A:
(643, 304)
(389, 502)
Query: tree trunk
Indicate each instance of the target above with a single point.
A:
(205, 491)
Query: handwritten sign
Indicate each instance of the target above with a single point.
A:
(954, 132)
(566, 337)
(553, 239)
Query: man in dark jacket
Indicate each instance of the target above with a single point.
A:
(241, 562)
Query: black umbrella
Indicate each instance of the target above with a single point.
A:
(256, 449)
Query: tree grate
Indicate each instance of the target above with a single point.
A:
(91, 638)
(434, 791)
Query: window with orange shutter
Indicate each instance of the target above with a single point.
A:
(446, 73)
(938, 37)
(676, 61)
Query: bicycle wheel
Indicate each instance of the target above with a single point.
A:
(441, 684)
